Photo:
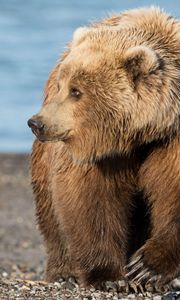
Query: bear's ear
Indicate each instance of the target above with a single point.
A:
(140, 61)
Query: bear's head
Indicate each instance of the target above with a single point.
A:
(111, 95)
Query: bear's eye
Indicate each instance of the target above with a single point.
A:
(75, 93)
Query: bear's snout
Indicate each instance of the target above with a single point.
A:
(37, 126)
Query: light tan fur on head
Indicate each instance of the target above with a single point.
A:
(126, 77)
(79, 34)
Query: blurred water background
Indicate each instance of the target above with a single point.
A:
(32, 35)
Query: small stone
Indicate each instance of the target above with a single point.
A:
(4, 274)
(171, 296)
(24, 287)
(120, 295)
(131, 296)
(33, 292)
(111, 286)
(121, 283)
(57, 284)
(92, 290)
(139, 297)
(70, 286)
(157, 298)
(176, 284)
(96, 294)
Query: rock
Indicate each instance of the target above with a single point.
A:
(4, 274)
(176, 284)
(157, 298)
(171, 296)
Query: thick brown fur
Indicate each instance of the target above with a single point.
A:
(107, 182)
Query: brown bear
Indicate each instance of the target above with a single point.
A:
(106, 164)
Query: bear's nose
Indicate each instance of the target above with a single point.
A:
(36, 125)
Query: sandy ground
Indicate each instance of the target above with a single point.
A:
(22, 255)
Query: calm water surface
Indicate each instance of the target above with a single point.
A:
(32, 35)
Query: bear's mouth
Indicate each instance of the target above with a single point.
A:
(60, 137)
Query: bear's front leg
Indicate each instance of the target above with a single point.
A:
(59, 264)
(158, 260)
(93, 211)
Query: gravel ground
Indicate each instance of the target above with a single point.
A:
(22, 254)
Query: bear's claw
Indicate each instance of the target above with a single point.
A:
(140, 274)
(144, 274)
(136, 268)
(133, 261)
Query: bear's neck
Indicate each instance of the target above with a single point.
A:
(131, 162)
